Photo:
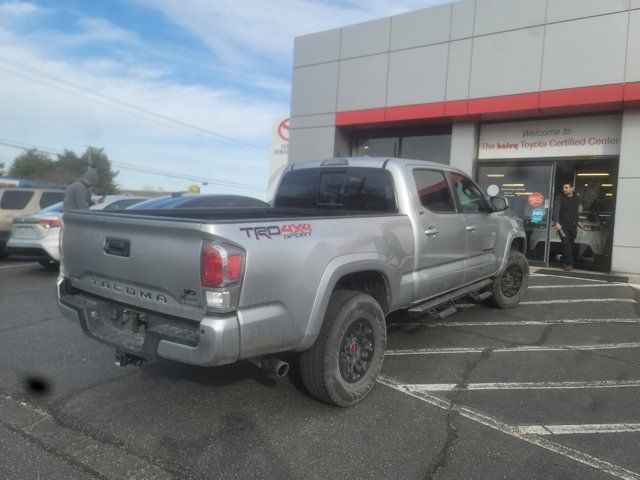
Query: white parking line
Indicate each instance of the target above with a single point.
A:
(579, 429)
(449, 387)
(496, 424)
(517, 323)
(579, 286)
(579, 300)
(567, 276)
(519, 348)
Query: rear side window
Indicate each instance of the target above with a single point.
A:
(433, 191)
(15, 199)
(358, 189)
(49, 198)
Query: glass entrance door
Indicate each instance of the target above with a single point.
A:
(529, 190)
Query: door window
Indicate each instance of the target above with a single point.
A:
(469, 196)
(433, 191)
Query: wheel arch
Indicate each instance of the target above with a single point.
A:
(368, 273)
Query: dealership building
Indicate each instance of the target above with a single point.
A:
(523, 95)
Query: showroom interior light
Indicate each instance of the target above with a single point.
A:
(593, 174)
(607, 184)
(495, 175)
(513, 184)
(524, 193)
(608, 194)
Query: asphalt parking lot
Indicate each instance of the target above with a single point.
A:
(548, 390)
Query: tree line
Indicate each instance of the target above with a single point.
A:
(66, 167)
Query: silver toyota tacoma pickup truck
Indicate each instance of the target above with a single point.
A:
(346, 242)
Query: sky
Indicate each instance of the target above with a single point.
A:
(175, 92)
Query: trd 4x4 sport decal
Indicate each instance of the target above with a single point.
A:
(294, 230)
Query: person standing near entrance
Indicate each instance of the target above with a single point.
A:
(566, 220)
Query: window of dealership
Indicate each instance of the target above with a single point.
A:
(529, 161)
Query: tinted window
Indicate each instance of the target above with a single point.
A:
(122, 204)
(15, 199)
(364, 189)
(376, 147)
(55, 208)
(160, 202)
(49, 198)
(435, 148)
(433, 191)
(469, 196)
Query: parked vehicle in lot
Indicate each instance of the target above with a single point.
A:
(591, 239)
(22, 201)
(200, 201)
(347, 242)
(37, 236)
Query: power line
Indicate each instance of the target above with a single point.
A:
(102, 141)
(166, 120)
(132, 167)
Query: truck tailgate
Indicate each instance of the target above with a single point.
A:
(144, 262)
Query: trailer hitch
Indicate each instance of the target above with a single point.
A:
(124, 359)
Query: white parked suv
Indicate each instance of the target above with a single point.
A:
(37, 236)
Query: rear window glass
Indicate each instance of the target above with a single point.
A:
(55, 208)
(359, 189)
(15, 199)
(49, 198)
(122, 204)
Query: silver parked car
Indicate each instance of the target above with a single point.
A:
(37, 236)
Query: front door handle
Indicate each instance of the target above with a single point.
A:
(431, 232)
(471, 228)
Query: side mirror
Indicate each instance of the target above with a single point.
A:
(499, 204)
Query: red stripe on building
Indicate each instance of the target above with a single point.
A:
(569, 100)
(632, 92)
(415, 112)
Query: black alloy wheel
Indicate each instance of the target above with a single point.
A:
(512, 280)
(356, 350)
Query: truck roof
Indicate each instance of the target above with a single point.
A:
(371, 162)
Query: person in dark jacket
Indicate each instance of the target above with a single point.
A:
(566, 220)
(77, 196)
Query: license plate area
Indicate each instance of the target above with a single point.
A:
(130, 321)
(25, 232)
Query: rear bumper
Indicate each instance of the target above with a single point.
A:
(214, 341)
(4, 236)
(36, 248)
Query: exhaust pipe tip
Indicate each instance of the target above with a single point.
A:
(272, 367)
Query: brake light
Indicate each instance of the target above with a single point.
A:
(50, 223)
(222, 267)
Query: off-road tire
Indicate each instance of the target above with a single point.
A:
(504, 297)
(321, 365)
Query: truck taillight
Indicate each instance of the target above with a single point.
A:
(222, 267)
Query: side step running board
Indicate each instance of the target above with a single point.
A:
(450, 297)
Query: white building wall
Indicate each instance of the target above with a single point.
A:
(626, 237)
